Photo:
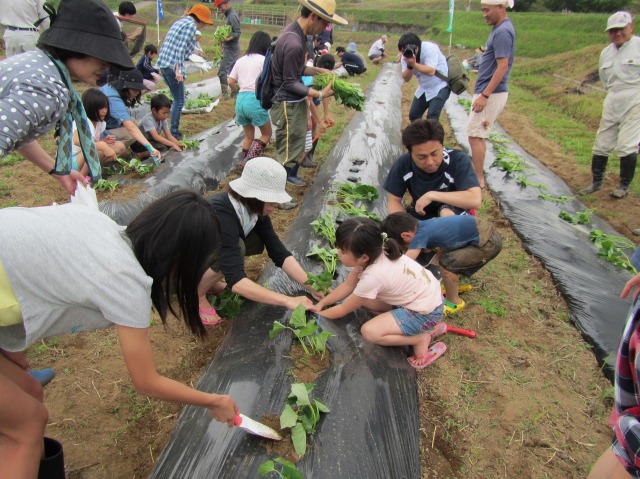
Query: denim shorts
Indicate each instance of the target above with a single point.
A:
(412, 323)
(249, 111)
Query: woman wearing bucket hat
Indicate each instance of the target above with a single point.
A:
(157, 259)
(123, 93)
(36, 89)
(179, 43)
(243, 212)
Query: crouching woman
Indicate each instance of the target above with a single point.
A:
(54, 264)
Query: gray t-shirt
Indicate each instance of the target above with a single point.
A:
(501, 44)
(33, 98)
(149, 123)
(72, 270)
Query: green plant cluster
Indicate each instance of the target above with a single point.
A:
(307, 331)
(190, 144)
(219, 36)
(203, 100)
(227, 303)
(346, 199)
(301, 414)
(348, 94)
(283, 468)
(611, 247)
(134, 164)
(580, 218)
(107, 185)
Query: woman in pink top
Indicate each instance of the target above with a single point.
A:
(406, 295)
(249, 113)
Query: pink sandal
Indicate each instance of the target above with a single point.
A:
(438, 330)
(210, 317)
(434, 353)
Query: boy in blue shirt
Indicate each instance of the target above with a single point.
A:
(150, 75)
(463, 243)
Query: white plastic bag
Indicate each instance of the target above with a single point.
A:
(85, 196)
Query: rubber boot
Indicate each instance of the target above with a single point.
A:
(52, 466)
(255, 149)
(598, 167)
(627, 172)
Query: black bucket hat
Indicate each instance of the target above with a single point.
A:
(129, 79)
(89, 27)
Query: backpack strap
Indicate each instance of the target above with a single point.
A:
(441, 76)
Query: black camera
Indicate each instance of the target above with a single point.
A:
(409, 51)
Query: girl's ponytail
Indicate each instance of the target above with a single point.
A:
(392, 248)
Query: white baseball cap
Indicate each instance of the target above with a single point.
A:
(619, 20)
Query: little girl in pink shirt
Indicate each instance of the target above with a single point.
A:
(406, 295)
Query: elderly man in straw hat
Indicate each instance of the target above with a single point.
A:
(491, 89)
(620, 123)
(179, 43)
(289, 112)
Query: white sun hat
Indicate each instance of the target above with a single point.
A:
(619, 20)
(264, 179)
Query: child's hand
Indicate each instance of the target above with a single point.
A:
(177, 146)
(328, 121)
(110, 139)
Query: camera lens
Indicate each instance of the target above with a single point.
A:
(408, 53)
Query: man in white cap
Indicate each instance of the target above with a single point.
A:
(377, 51)
(491, 89)
(289, 112)
(620, 123)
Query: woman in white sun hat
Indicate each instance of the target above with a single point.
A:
(243, 211)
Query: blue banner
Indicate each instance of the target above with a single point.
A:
(450, 28)
(160, 10)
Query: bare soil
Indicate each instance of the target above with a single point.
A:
(525, 399)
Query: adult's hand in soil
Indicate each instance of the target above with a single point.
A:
(223, 409)
(631, 284)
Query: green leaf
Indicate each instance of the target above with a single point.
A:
(289, 469)
(299, 391)
(298, 317)
(299, 439)
(321, 406)
(277, 328)
(266, 468)
(288, 418)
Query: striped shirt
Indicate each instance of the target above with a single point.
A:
(625, 416)
(178, 44)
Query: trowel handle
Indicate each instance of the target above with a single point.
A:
(463, 332)
(237, 420)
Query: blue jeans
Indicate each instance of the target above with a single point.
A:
(177, 91)
(435, 105)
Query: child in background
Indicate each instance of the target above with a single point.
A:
(96, 105)
(328, 62)
(154, 125)
(150, 75)
(382, 279)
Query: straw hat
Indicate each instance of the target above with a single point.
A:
(324, 9)
(202, 13)
(264, 179)
(89, 27)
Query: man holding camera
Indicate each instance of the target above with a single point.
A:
(491, 89)
(422, 60)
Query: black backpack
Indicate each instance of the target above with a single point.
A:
(264, 88)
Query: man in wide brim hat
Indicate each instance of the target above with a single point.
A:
(325, 9)
(99, 38)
